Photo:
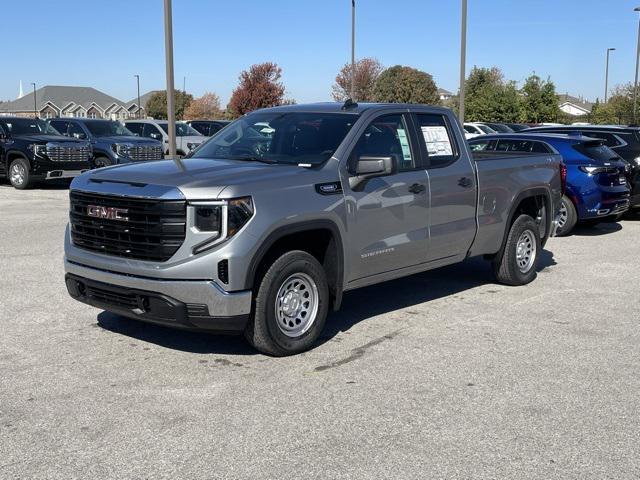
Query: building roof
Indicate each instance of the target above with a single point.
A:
(61, 97)
(578, 102)
(143, 99)
(442, 91)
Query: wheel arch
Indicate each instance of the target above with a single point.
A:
(321, 238)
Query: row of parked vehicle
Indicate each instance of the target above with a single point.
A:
(33, 150)
(603, 164)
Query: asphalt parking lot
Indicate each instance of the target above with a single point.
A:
(440, 375)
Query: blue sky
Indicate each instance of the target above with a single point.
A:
(103, 44)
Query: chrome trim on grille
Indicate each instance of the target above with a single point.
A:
(143, 153)
(68, 152)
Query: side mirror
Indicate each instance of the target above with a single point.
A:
(370, 167)
(79, 136)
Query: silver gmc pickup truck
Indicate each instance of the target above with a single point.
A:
(262, 229)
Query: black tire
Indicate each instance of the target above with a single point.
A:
(23, 167)
(263, 331)
(101, 161)
(506, 266)
(571, 217)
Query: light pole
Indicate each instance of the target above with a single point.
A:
(353, 50)
(606, 75)
(635, 83)
(35, 105)
(138, 82)
(171, 108)
(463, 59)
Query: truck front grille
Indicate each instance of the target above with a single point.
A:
(138, 228)
(68, 153)
(145, 153)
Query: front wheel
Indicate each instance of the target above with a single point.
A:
(19, 175)
(519, 259)
(291, 305)
(100, 162)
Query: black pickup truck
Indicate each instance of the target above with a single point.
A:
(31, 150)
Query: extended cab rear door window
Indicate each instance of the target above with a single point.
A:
(434, 130)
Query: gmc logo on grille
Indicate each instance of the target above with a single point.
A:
(110, 213)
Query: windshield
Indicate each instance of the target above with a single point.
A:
(29, 126)
(486, 129)
(107, 128)
(276, 137)
(501, 128)
(182, 130)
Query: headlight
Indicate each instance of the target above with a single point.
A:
(637, 161)
(38, 150)
(221, 219)
(121, 149)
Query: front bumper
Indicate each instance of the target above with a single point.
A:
(55, 174)
(187, 304)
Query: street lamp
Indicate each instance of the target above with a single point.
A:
(35, 105)
(463, 59)
(606, 75)
(635, 83)
(171, 107)
(138, 82)
(353, 50)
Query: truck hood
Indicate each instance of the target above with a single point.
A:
(49, 138)
(196, 178)
(128, 139)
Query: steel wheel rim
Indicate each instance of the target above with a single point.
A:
(18, 174)
(562, 215)
(296, 305)
(100, 163)
(526, 251)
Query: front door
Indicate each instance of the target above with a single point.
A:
(453, 188)
(387, 216)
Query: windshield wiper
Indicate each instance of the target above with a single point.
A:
(251, 158)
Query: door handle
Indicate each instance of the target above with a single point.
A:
(465, 182)
(417, 188)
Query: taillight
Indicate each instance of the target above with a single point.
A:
(563, 177)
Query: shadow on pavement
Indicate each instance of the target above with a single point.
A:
(596, 230)
(357, 306)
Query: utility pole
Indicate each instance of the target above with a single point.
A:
(139, 106)
(606, 75)
(171, 108)
(463, 59)
(635, 83)
(184, 95)
(35, 104)
(353, 50)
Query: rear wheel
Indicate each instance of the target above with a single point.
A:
(19, 175)
(291, 305)
(518, 262)
(567, 218)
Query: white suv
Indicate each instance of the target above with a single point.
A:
(474, 129)
(187, 138)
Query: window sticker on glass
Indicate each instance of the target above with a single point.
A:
(404, 143)
(437, 140)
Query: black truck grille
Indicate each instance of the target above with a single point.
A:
(143, 229)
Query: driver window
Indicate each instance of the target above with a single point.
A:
(386, 136)
(75, 129)
(151, 131)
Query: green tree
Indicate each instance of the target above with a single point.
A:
(400, 84)
(157, 104)
(539, 102)
(489, 97)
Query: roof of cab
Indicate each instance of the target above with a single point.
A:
(356, 108)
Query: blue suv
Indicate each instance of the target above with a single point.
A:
(596, 190)
(112, 143)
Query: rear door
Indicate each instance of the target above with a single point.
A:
(387, 216)
(453, 188)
